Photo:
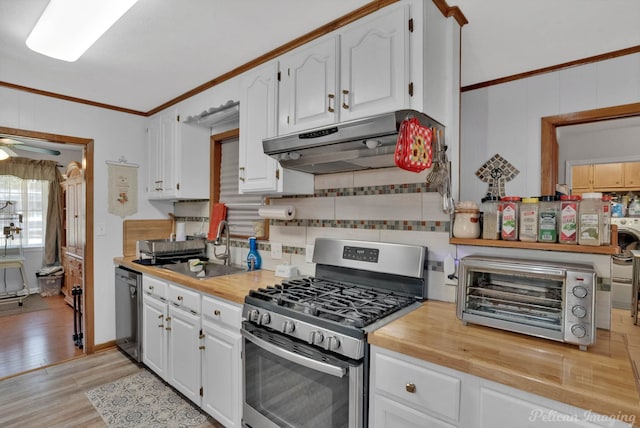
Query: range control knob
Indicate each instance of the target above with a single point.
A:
(265, 319)
(316, 337)
(579, 311)
(578, 331)
(579, 291)
(254, 315)
(288, 327)
(332, 343)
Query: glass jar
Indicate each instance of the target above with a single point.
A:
(548, 219)
(590, 219)
(466, 223)
(568, 219)
(491, 217)
(510, 216)
(529, 219)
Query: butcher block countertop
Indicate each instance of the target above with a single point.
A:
(603, 379)
(232, 287)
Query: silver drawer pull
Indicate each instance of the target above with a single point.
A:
(179, 298)
(410, 387)
(216, 312)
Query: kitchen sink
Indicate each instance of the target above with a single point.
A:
(209, 270)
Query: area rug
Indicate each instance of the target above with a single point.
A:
(143, 400)
(32, 303)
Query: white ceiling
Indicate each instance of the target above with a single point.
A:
(162, 49)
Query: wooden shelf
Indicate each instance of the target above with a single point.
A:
(608, 249)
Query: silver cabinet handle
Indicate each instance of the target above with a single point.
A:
(331, 108)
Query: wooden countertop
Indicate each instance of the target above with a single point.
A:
(603, 379)
(230, 287)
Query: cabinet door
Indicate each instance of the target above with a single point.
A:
(258, 105)
(608, 175)
(390, 414)
(161, 152)
(632, 174)
(184, 353)
(308, 87)
(154, 344)
(374, 62)
(581, 177)
(221, 375)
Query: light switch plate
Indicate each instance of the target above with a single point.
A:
(101, 229)
(308, 254)
(276, 250)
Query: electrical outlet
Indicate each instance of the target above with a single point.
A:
(308, 254)
(276, 250)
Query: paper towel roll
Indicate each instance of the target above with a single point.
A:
(181, 233)
(278, 212)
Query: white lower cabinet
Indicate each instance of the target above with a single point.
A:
(183, 342)
(154, 324)
(193, 342)
(409, 392)
(221, 361)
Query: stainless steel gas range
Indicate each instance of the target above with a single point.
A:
(305, 352)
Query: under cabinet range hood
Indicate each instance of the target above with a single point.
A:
(349, 146)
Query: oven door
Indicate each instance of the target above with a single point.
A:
(291, 384)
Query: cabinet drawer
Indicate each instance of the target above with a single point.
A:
(418, 386)
(222, 312)
(154, 287)
(183, 298)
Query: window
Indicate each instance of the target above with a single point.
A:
(29, 198)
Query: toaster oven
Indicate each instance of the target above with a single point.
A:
(539, 298)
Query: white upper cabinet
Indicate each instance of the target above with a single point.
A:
(259, 173)
(309, 87)
(178, 156)
(359, 71)
(374, 64)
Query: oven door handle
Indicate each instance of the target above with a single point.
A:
(292, 356)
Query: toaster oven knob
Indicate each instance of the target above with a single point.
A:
(315, 337)
(265, 319)
(332, 343)
(288, 327)
(579, 311)
(254, 315)
(578, 331)
(579, 291)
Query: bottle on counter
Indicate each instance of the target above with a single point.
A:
(605, 233)
(590, 219)
(492, 217)
(568, 219)
(254, 261)
(510, 217)
(529, 219)
(548, 219)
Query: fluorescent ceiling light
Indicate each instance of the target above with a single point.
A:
(67, 28)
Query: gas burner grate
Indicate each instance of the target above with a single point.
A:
(346, 304)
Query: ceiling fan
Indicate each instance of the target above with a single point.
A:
(8, 143)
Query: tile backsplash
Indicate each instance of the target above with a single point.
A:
(389, 205)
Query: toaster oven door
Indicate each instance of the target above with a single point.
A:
(531, 298)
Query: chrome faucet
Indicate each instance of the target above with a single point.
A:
(224, 225)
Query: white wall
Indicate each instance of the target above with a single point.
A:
(115, 134)
(505, 118)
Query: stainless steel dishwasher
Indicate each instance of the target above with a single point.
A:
(128, 287)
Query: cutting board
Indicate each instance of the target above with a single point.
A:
(138, 230)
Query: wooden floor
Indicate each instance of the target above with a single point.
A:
(37, 339)
(54, 396)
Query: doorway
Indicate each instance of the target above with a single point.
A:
(87, 147)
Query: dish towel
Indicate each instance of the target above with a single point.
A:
(218, 213)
